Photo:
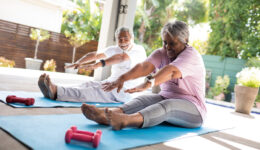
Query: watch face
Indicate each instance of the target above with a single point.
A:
(149, 77)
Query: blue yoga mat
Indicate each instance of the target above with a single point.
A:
(41, 101)
(48, 132)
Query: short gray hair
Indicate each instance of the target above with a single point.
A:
(122, 29)
(177, 29)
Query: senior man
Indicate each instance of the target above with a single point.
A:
(122, 57)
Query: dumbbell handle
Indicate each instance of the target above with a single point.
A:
(85, 132)
(82, 137)
(75, 130)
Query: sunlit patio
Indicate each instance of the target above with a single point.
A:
(242, 131)
(17, 43)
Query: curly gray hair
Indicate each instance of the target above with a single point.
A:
(121, 29)
(177, 29)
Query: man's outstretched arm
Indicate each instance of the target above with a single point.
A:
(115, 59)
(89, 57)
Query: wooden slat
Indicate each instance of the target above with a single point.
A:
(15, 44)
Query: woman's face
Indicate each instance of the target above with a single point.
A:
(172, 45)
(124, 40)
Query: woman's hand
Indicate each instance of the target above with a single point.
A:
(139, 88)
(109, 86)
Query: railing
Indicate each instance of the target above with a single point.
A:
(218, 67)
(15, 44)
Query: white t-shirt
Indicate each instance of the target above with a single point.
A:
(136, 54)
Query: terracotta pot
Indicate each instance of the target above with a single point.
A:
(245, 98)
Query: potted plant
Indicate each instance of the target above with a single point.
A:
(38, 35)
(76, 40)
(50, 65)
(80, 26)
(246, 89)
(220, 88)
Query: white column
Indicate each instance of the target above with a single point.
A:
(127, 13)
(110, 21)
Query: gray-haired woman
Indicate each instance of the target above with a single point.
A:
(181, 77)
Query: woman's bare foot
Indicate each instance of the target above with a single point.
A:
(119, 121)
(96, 114)
(52, 88)
(42, 86)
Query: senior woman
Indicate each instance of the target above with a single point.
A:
(181, 76)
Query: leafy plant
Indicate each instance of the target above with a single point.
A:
(6, 63)
(200, 46)
(152, 15)
(253, 62)
(235, 28)
(81, 25)
(249, 77)
(221, 85)
(50, 65)
(257, 98)
(38, 35)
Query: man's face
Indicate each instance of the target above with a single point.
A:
(172, 45)
(124, 40)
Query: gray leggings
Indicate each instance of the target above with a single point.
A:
(155, 110)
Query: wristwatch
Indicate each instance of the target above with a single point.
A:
(150, 79)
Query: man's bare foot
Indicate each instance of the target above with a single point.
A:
(42, 86)
(52, 89)
(96, 114)
(119, 121)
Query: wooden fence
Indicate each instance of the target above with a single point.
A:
(15, 44)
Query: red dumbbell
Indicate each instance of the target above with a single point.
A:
(84, 136)
(14, 99)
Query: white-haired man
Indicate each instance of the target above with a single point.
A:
(122, 57)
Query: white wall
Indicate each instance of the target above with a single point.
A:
(35, 13)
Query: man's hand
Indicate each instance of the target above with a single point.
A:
(75, 66)
(109, 86)
(139, 88)
(89, 66)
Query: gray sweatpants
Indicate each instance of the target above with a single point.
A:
(155, 110)
(91, 91)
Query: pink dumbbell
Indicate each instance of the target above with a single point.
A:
(84, 136)
(14, 99)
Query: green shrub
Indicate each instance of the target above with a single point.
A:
(253, 62)
(6, 63)
(50, 65)
(221, 85)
